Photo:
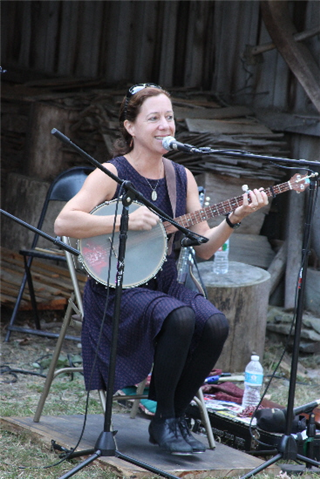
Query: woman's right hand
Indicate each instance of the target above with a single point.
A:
(142, 219)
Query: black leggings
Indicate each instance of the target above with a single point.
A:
(177, 375)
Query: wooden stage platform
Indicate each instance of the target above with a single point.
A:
(132, 440)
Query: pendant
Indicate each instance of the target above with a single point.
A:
(154, 195)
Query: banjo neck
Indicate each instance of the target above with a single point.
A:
(297, 183)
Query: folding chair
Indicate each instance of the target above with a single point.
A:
(75, 307)
(63, 188)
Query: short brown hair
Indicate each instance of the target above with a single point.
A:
(129, 110)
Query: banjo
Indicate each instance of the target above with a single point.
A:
(146, 250)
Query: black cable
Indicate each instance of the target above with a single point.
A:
(6, 369)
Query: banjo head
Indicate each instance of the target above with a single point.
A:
(144, 256)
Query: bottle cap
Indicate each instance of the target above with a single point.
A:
(255, 358)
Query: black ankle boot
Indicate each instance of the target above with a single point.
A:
(197, 447)
(168, 436)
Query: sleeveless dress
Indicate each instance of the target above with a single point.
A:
(143, 308)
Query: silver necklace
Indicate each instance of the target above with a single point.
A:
(154, 194)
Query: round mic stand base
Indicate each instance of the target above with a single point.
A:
(287, 451)
(105, 447)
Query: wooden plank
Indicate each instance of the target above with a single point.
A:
(52, 283)
(133, 441)
(230, 127)
(10, 300)
(191, 102)
(276, 16)
(91, 27)
(121, 14)
(167, 59)
(15, 259)
(212, 113)
(44, 147)
(236, 24)
(288, 122)
(277, 267)
(144, 37)
(50, 33)
(69, 24)
(294, 237)
(251, 249)
(57, 303)
(195, 37)
(44, 291)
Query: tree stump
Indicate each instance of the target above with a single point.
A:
(242, 295)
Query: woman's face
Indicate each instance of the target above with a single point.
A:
(154, 122)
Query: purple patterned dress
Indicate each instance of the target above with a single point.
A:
(143, 308)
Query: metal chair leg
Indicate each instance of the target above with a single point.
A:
(16, 308)
(32, 294)
(55, 357)
(205, 418)
(136, 402)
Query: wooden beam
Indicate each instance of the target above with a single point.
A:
(299, 37)
(277, 267)
(276, 17)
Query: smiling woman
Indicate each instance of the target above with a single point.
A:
(134, 104)
(154, 122)
(162, 323)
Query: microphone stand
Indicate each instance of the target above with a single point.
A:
(287, 449)
(56, 240)
(27, 278)
(105, 444)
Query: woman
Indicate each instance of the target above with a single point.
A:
(161, 322)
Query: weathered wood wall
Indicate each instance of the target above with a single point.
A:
(176, 43)
(188, 45)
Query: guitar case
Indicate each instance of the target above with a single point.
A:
(236, 432)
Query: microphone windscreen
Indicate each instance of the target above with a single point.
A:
(271, 419)
(166, 142)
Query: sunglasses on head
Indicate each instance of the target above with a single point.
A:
(135, 89)
(140, 86)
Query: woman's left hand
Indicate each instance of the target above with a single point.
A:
(258, 199)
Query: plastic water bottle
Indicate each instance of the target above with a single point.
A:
(221, 259)
(253, 380)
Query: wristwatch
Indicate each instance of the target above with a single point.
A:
(232, 225)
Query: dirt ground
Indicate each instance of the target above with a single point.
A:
(25, 359)
(23, 346)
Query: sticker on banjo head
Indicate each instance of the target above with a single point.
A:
(145, 252)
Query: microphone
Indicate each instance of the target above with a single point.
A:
(193, 241)
(308, 407)
(170, 143)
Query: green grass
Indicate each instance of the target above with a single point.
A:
(22, 457)
(25, 455)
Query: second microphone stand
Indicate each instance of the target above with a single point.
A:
(288, 449)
